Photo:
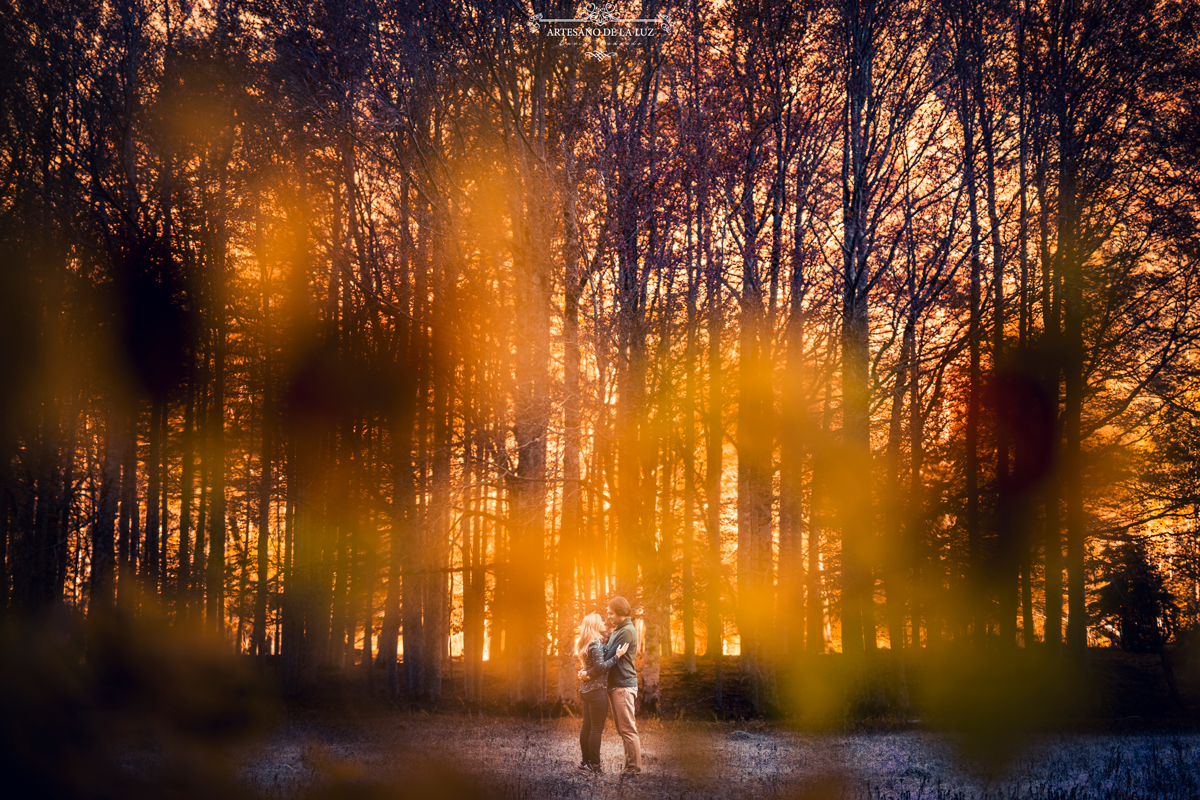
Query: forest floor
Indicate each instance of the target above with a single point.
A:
(155, 714)
(1117, 734)
(456, 756)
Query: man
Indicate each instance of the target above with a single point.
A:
(622, 681)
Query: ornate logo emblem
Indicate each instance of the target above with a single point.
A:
(600, 24)
(600, 15)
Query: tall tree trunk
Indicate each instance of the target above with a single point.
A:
(265, 480)
(1010, 522)
(215, 607)
(241, 560)
(101, 591)
(129, 518)
(657, 533)
(965, 68)
(412, 472)
(301, 602)
(1024, 322)
(150, 553)
(353, 568)
(818, 516)
(474, 566)
(367, 599)
(402, 419)
(714, 437)
(755, 573)
(325, 554)
(186, 491)
(63, 516)
(527, 570)
(915, 506)
(631, 409)
(572, 513)
(401, 508)
(164, 541)
(858, 633)
(439, 518)
(289, 633)
(200, 563)
(340, 612)
(402, 588)
(199, 569)
(656, 575)
(266, 462)
(792, 429)
(1073, 387)
(1051, 378)
(691, 391)
(896, 560)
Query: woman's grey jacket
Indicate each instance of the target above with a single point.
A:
(597, 667)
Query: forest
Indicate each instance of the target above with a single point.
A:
(397, 336)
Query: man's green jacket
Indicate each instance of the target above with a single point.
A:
(623, 674)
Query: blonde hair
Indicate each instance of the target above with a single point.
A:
(590, 630)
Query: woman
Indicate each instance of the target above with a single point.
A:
(593, 690)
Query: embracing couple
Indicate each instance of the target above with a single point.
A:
(608, 680)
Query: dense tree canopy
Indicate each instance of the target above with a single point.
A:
(358, 329)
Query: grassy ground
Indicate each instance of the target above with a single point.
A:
(444, 755)
(971, 729)
(161, 713)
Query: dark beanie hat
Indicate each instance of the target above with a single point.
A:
(620, 606)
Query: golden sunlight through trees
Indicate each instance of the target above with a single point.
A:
(393, 338)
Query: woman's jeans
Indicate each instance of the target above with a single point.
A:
(595, 711)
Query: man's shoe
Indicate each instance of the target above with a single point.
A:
(595, 769)
(631, 771)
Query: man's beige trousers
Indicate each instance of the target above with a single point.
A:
(621, 701)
